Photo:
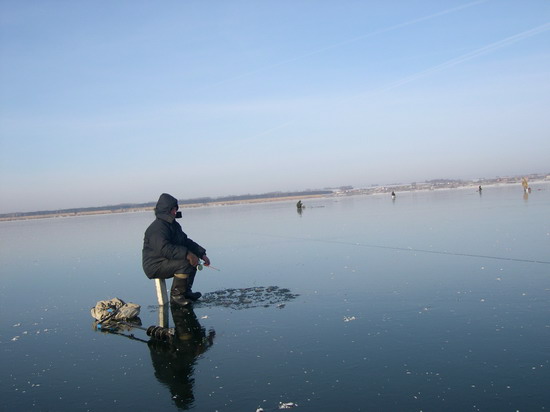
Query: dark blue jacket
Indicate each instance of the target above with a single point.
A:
(165, 240)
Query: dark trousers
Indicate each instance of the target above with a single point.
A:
(170, 267)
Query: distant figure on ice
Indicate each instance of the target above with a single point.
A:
(479, 189)
(525, 185)
(300, 207)
(169, 253)
(393, 195)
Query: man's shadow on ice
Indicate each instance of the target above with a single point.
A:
(174, 362)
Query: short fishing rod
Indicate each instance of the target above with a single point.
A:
(154, 331)
(130, 336)
(201, 265)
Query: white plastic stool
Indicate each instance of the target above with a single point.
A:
(162, 295)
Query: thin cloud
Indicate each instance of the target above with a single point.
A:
(346, 42)
(469, 56)
(435, 69)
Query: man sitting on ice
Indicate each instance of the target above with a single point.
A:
(169, 253)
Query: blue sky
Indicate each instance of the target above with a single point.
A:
(109, 102)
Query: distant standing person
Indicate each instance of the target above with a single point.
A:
(169, 253)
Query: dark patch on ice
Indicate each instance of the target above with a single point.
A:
(245, 298)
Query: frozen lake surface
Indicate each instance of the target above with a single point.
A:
(435, 301)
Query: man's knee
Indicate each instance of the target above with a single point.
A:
(171, 267)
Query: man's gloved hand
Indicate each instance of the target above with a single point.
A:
(206, 260)
(193, 259)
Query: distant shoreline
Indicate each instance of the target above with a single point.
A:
(434, 185)
(61, 214)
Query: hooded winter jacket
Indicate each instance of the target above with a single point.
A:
(165, 240)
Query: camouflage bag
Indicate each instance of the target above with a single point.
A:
(114, 309)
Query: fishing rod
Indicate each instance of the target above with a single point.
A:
(153, 331)
(130, 336)
(200, 266)
(404, 249)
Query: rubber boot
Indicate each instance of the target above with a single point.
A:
(179, 289)
(187, 326)
(189, 294)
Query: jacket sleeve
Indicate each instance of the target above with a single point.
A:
(188, 243)
(195, 248)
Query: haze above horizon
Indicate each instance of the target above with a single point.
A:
(108, 103)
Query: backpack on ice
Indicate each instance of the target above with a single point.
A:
(114, 309)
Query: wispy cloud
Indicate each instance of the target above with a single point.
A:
(508, 41)
(469, 56)
(345, 42)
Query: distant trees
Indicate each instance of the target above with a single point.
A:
(132, 206)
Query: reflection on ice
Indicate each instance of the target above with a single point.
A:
(174, 362)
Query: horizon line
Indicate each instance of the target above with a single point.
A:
(290, 193)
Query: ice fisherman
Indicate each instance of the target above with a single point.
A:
(169, 253)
